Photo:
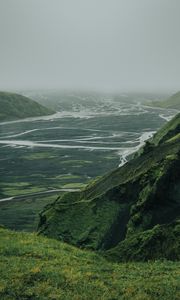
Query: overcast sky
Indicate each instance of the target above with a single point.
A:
(90, 44)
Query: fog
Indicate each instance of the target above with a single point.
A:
(107, 45)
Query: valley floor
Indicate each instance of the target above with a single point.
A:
(33, 267)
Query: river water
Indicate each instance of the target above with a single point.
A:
(87, 137)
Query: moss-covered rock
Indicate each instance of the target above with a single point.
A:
(160, 242)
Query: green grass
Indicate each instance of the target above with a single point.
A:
(77, 162)
(75, 185)
(33, 267)
(15, 191)
(24, 214)
(174, 138)
(16, 184)
(41, 155)
(67, 177)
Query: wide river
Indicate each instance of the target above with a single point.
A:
(83, 140)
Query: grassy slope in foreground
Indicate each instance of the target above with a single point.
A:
(126, 202)
(33, 267)
(14, 106)
(171, 103)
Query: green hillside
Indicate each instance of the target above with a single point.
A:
(33, 267)
(172, 102)
(14, 106)
(126, 205)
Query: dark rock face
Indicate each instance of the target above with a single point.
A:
(129, 208)
(162, 241)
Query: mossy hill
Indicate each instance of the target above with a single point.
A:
(33, 267)
(14, 106)
(172, 103)
(135, 207)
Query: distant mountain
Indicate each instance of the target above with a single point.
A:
(14, 106)
(172, 102)
(131, 213)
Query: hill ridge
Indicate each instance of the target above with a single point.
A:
(172, 102)
(15, 106)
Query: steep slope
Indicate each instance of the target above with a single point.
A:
(34, 267)
(128, 201)
(14, 106)
(172, 102)
(168, 131)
